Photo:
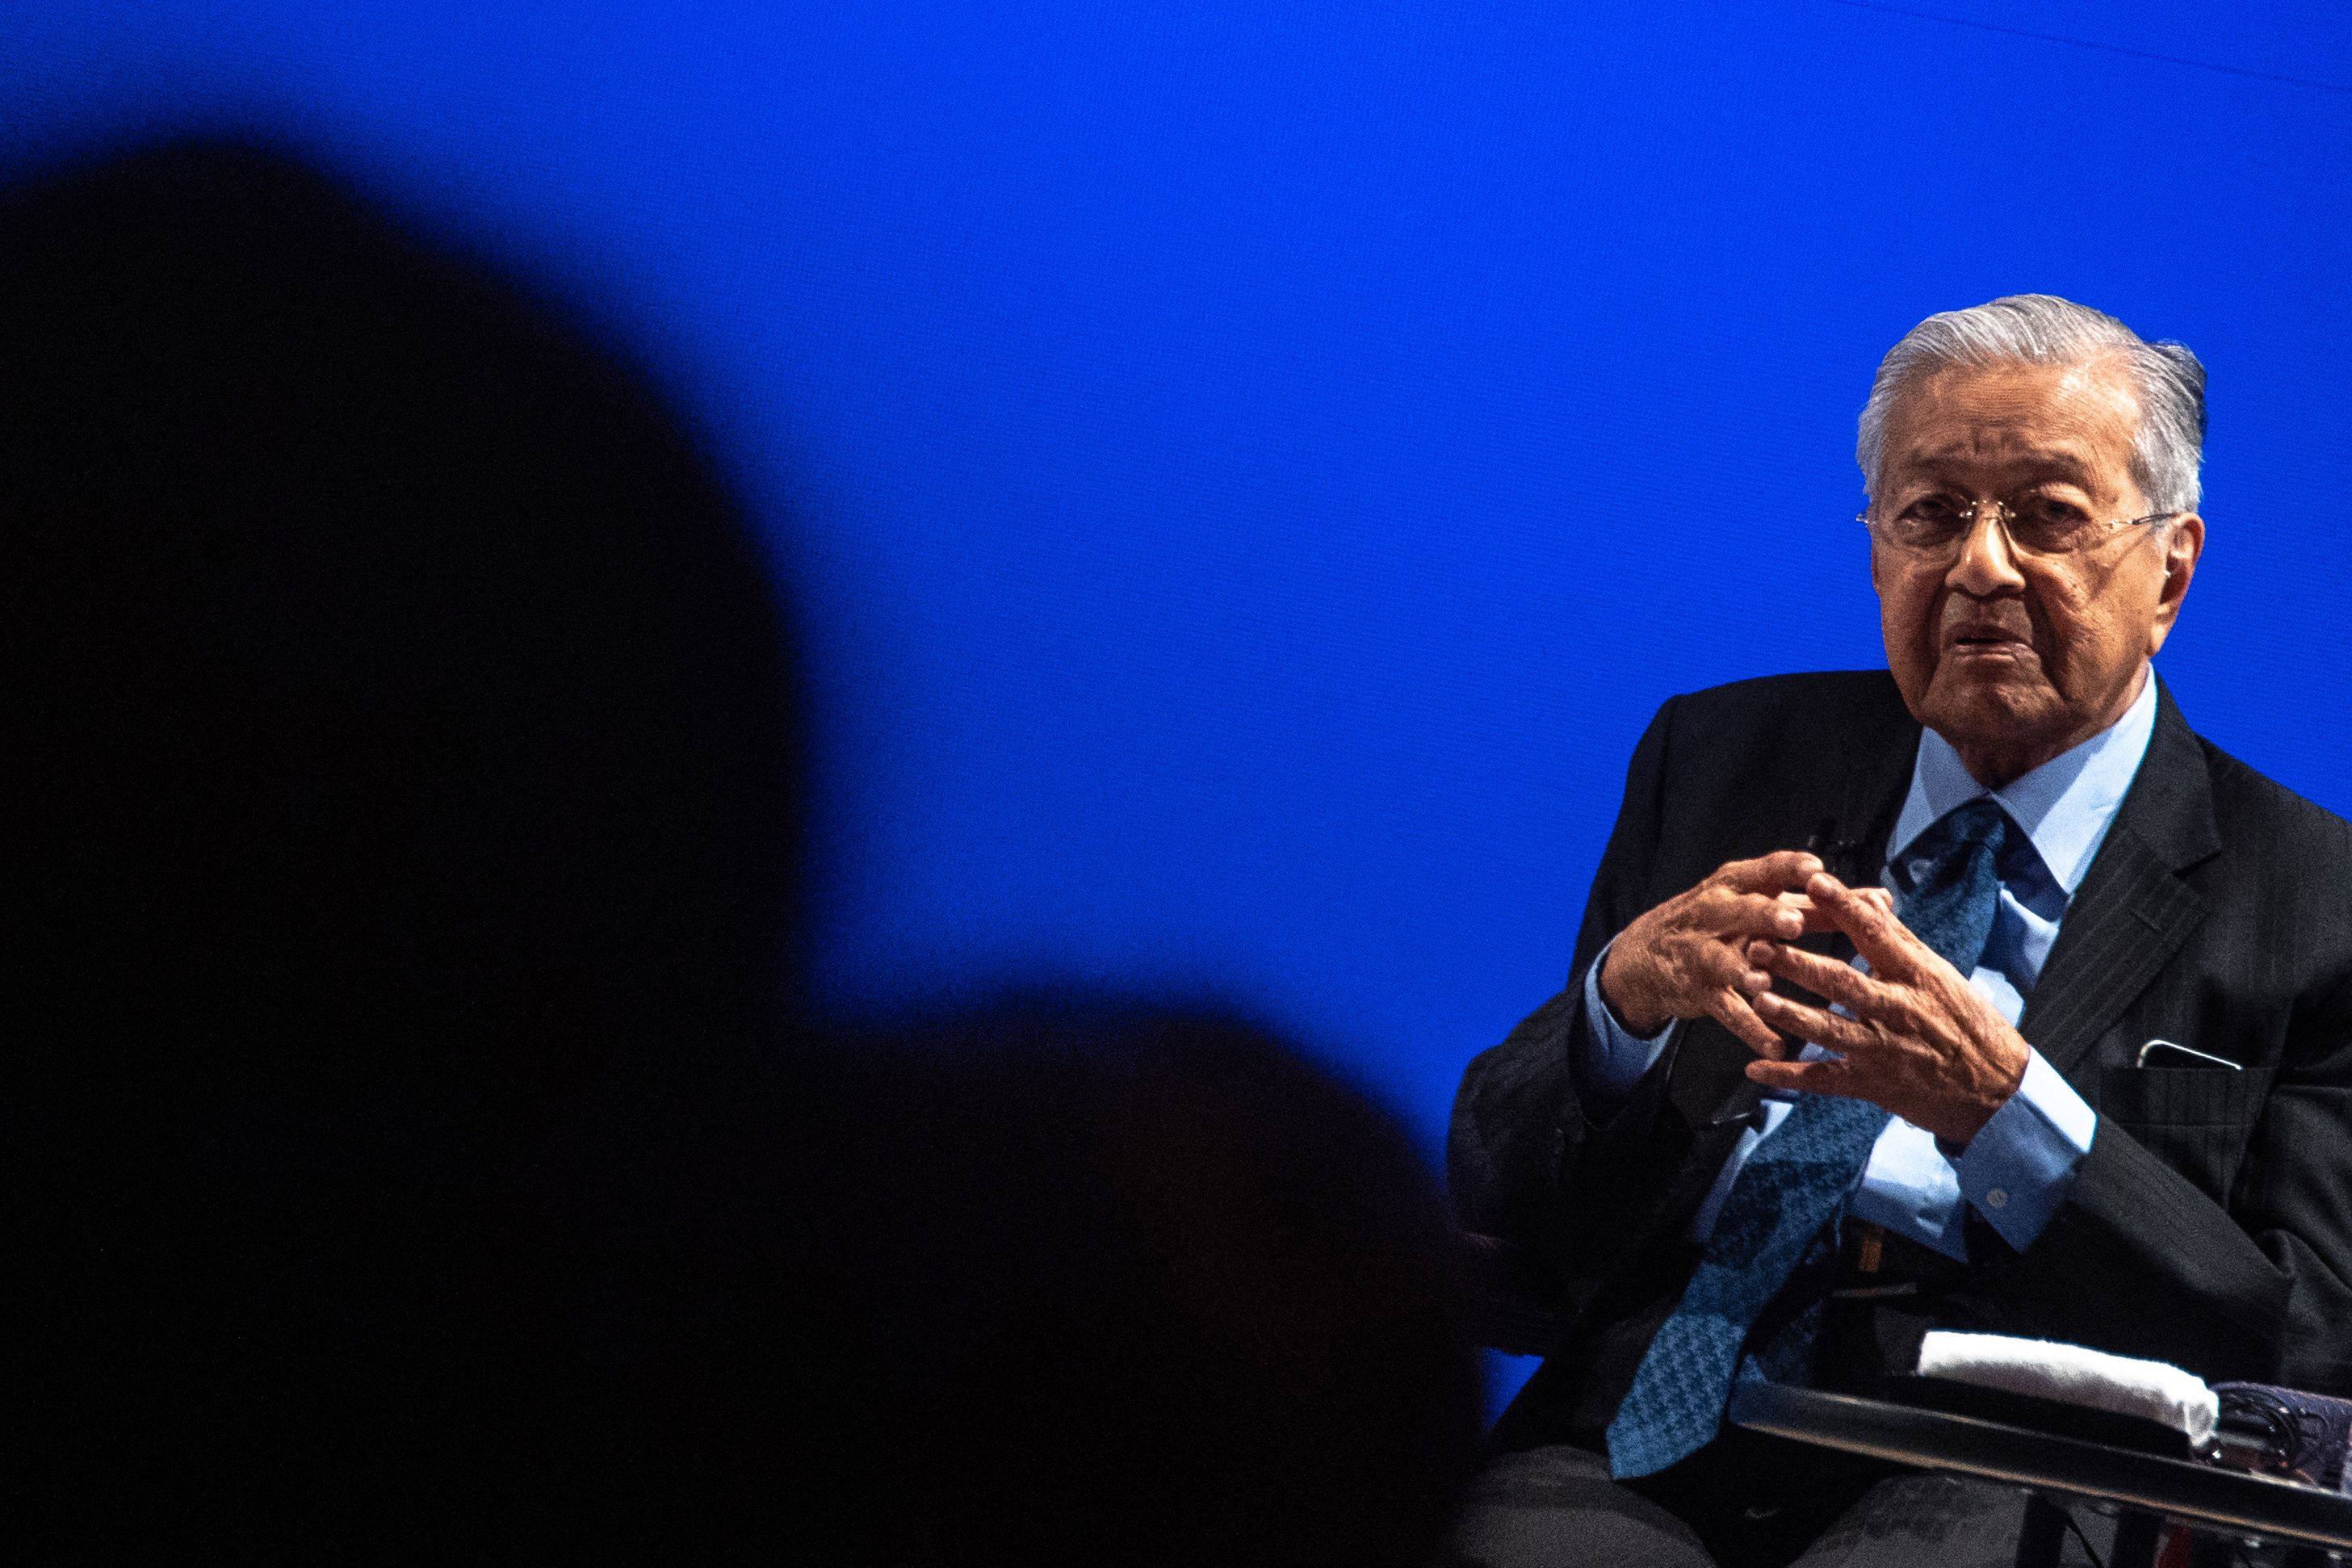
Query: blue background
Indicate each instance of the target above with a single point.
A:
(1251, 469)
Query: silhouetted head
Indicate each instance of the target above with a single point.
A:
(1144, 1287)
(411, 763)
(382, 646)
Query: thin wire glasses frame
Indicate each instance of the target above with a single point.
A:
(2056, 529)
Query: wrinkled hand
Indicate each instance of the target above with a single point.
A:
(1921, 1042)
(1688, 958)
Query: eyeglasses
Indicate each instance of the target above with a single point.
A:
(2036, 523)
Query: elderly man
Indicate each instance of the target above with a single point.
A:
(1976, 992)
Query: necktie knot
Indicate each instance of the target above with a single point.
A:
(1964, 828)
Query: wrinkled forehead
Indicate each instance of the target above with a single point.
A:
(2022, 423)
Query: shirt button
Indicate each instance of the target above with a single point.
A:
(1997, 1198)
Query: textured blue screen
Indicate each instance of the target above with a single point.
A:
(1252, 470)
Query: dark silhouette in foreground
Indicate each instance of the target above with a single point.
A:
(412, 1135)
(403, 887)
(1167, 1293)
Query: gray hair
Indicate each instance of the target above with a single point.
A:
(2042, 329)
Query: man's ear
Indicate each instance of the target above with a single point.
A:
(2184, 541)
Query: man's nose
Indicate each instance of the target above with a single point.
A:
(1987, 563)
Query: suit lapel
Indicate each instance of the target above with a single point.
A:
(2133, 910)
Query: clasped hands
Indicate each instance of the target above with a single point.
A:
(1913, 1037)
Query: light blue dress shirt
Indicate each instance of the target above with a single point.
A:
(2019, 1167)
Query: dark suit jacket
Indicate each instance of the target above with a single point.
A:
(2211, 1224)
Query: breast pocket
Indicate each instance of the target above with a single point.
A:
(2196, 1119)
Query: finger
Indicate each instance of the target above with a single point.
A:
(1840, 982)
(1724, 964)
(1877, 935)
(1754, 914)
(1734, 1012)
(1810, 914)
(1807, 1078)
(1848, 1036)
(1817, 919)
(1783, 870)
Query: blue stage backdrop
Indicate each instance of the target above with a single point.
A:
(1252, 470)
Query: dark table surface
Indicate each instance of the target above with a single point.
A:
(2201, 1495)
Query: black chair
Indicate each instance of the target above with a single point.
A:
(1506, 1290)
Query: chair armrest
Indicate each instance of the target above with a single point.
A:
(1506, 1297)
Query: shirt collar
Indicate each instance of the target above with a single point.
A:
(2065, 805)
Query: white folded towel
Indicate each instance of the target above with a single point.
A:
(2074, 1375)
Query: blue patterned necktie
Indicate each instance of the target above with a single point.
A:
(1775, 1223)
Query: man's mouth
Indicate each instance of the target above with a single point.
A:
(1987, 641)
